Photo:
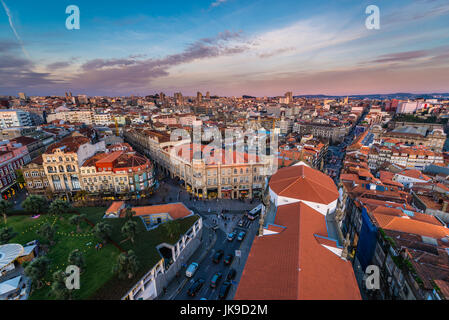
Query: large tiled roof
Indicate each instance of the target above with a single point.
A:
(304, 183)
(295, 263)
(175, 210)
(70, 144)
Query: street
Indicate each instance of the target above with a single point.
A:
(207, 268)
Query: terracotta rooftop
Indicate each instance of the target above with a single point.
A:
(295, 264)
(70, 144)
(305, 183)
(175, 210)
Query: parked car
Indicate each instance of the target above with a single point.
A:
(217, 256)
(231, 274)
(241, 222)
(228, 259)
(215, 279)
(224, 290)
(191, 269)
(241, 236)
(195, 287)
(231, 236)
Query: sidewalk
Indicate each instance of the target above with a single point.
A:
(169, 192)
(209, 238)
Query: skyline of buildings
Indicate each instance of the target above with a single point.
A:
(224, 150)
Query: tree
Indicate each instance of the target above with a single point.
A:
(37, 269)
(172, 228)
(4, 207)
(127, 265)
(76, 258)
(6, 234)
(59, 207)
(129, 213)
(58, 287)
(35, 204)
(48, 232)
(103, 231)
(76, 220)
(129, 229)
(19, 176)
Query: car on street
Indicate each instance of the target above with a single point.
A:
(191, 269)
(217, 256)
(231, 236)
(231, 274)
(228, 259)
(195, 287)
(241, 236)
(224, 290)
(241, 222)
(215, 279)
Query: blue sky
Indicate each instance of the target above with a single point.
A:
(227, 47)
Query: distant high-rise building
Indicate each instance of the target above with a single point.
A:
(22, 96)
(75, 101)
(199, 97)
(207, 95)
(82, 98)
(178, 98)
(287, 98)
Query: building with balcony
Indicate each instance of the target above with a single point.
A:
(62, 162)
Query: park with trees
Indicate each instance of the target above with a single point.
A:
(109, 252)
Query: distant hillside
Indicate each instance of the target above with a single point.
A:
(399, 95)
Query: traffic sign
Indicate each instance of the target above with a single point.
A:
(238, 253)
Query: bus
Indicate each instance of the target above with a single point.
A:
(254, 213)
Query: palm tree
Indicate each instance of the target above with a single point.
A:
(129, 230)
(37, 269)
(35, 204)
(48, 232)
(127, 265)
(58, 288)
(4, 207)
(129, 213)
(6, 234)
(59, 207)
(76, 258)
(76, 220)
(172, 228)
(103, 231)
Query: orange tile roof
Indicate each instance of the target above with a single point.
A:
(413, 226)
(175, 210)
(293, 265)
(305, 183)
(413, 173)
(115, 206)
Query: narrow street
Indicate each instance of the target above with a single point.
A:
(207, 268)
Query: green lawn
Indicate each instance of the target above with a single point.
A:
(98, 268)
(145, 249)
(97, 281)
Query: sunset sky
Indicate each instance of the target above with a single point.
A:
(227, 47)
